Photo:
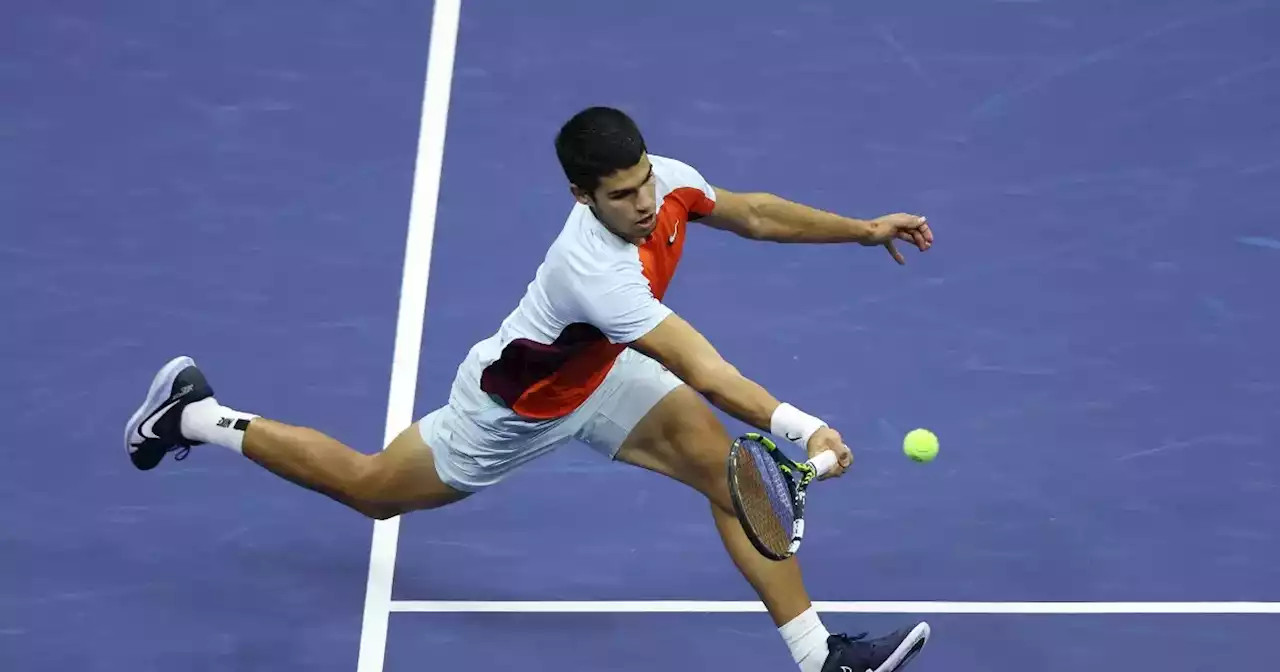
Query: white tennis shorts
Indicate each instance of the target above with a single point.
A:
(477, 442)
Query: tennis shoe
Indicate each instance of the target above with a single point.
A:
(155, 429)
(885, 654)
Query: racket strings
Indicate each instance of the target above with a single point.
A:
(765, 498)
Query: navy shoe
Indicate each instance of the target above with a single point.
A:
(885, 654)
(156, 427)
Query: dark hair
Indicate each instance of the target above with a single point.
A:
(596, 143)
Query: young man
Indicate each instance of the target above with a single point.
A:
(590, 353)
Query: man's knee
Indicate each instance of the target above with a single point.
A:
(375, 510)
(365, 488)
(374, 493)
(379, 512)
(400, 479)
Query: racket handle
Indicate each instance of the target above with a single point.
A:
(823, 462)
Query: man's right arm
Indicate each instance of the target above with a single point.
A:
(675, 344)
(617, 300)
(678, 346)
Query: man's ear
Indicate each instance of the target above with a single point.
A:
(579, 195)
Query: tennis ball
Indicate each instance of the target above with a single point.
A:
(920, 445)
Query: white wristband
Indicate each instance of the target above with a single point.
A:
(794, 424)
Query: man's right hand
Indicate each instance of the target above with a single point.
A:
(829, 439)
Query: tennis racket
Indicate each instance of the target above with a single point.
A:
(768, 491)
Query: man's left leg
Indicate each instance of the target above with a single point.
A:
(679, 436)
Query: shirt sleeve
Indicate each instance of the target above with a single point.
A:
(689, 187)
(620, 303)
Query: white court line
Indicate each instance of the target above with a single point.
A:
(677, 606)
(412, 313)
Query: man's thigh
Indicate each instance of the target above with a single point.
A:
(653, 420)
(634, 389)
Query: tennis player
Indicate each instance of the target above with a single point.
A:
(590, 353)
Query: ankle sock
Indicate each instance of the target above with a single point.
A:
(208, 421)
(806, 636)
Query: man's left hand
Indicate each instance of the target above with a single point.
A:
(912, 229)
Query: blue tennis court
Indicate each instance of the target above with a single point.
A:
(1092, 336)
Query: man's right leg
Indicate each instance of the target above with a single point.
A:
(180, 412)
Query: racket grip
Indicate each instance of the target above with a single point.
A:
(823, 462)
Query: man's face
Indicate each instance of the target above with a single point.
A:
(626, 201)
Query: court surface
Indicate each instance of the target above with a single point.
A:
(1092, 336)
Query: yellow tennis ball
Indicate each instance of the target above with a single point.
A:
(920, 445)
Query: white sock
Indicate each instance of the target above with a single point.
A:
(210, 422)
(806, 636)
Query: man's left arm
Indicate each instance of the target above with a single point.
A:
(762, 216)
